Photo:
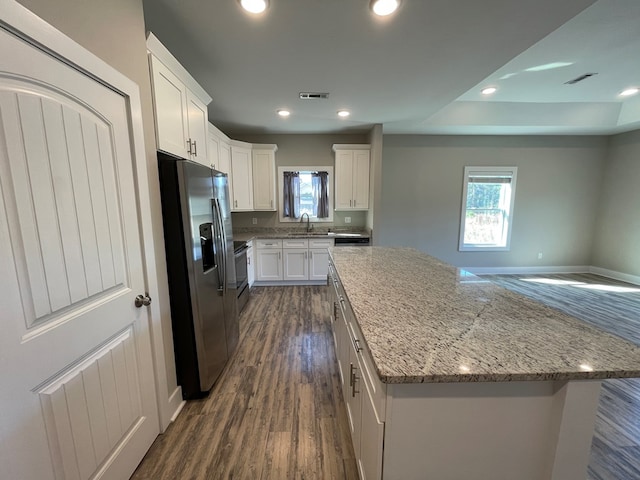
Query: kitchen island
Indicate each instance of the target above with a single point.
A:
(447, 376)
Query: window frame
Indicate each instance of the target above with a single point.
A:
(298, 168)
(468, 171)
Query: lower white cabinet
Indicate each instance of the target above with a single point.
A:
(268, 260)
(293, 260)
(364, 394)
(251, 269)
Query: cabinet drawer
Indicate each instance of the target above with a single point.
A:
(321, 243)
(265, 244)
(295, 243)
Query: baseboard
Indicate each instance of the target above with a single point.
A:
(176, 403)
(527, 270)
(624, 277)
(288, 283)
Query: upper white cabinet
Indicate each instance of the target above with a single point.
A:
(264, 177)
(180, 106)
(352, 176)
(241, 177)
(219, 150)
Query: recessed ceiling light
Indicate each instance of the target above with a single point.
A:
(384, 7)
(254, 6)
(629, 91)
(488, 90)
(283, 112)
(343, 113)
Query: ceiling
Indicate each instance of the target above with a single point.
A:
(418, 71)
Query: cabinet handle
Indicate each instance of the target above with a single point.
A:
(311, 254)
(349, 200)
(335, 311)
(195, 148)
(305, 255)
(356, 345)
(279, 255)
(354, 379)
(248, 260)
(271, 203)
(189, 143)
(235, 203)
(351, 374)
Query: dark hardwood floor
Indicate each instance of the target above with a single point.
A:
(614, 307)
(277, 411)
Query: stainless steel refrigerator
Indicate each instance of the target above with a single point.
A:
(201, 271)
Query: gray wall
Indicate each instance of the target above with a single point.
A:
(300, 150)
(617, 235)
(557, 194)
(114, 31)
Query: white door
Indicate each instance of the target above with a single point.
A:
(269, 265)
(242, 177)
(344, 180)
(318, 263)
(77, 397)
(361, 179)
(264, 180)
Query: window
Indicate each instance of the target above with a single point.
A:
(487, 208)
(305, 190)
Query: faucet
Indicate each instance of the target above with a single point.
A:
(309, 226)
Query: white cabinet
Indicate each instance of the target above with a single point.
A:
(241, 177)
(364, 395)
(319, 258)
(251, 269)
(296, 263)
(180, 106)
(269, 260)
(351, 176)
(219, 150)
(264, 177)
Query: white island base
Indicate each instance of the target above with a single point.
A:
(539, 430)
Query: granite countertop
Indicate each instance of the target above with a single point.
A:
(246, 235)
(426, 321)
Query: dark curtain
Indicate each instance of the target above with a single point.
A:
(291, 195)
(319, 184)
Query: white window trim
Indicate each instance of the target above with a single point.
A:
(463, 210)
(298, 168)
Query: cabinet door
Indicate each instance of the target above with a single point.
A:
(344, 180)
(361, 179)
(170, 102)
(197, 120)
(224, 160)
(354, 402)
(213, 151)
(242, 177)
(371, 439)
(295, 263)
(251, 272)
(264, 180)
(269, 265)
(318, 263)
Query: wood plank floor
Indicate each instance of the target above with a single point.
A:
(277, 410)
(614, 307)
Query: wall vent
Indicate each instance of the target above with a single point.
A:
(313, 96)
(580, 78)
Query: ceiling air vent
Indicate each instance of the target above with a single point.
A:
(580, 78)
(313, 96)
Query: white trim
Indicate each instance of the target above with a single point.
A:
(350, 146)
(624, 277)
(177, 403)
(527, 270)
(288, 283)
(158, 50)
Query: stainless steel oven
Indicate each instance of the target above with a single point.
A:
(242, 280)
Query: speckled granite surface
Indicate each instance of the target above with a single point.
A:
(246, 234)
(426, 321)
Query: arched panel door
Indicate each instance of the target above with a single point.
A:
(78, 398)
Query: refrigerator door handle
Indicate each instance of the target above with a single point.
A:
(221, 247)
(223, 240)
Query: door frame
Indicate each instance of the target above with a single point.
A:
(32, 29)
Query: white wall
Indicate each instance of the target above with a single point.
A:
(617, 235)
(557, 194)
(114, 31)
(300, 150)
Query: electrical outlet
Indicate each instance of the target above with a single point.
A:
(347, 219)
(254, 220)
(539, 255)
